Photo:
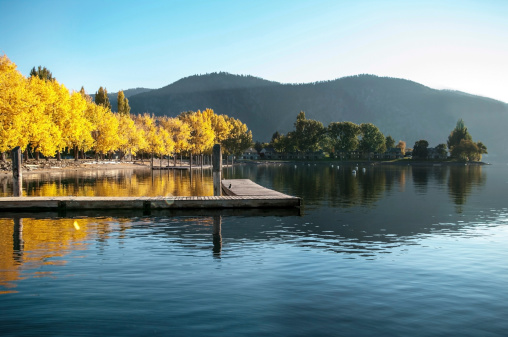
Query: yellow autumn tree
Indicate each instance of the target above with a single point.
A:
(180, 132)
(220, 125)
(168, 145)
(131, 138)
(166, 134)
(202, 135)
(44, 136)
(78, 129)
(154, 144)
(14, 105)
(107, 138)
(68, 114)
(239, 139)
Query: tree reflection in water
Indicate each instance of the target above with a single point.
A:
(461, 181)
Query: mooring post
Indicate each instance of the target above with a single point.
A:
(217, 170)
(17, 182)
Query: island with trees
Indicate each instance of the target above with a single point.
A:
(349, 141)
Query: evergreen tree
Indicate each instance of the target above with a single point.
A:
(84, 95)
(42, 72)
(123, 104)
(101, 98)
(459, 133)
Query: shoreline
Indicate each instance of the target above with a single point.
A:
(364, 162)
(49, 166)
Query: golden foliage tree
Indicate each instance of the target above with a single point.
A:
(202, 135)
(14, 106)
(107, 131)
(154, 143)
(239, 139)
(44, 136)
(179, 131)
(131, 138)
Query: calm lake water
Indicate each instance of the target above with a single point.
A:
(390, 251)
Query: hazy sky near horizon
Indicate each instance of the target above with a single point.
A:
(444, 44)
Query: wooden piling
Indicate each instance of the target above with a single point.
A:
(17, 186)
(217, 170)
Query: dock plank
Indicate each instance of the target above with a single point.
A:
(243, 193)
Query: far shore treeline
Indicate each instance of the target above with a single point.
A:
(347, 140)
(41, 116)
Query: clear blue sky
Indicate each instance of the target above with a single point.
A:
(460, 45)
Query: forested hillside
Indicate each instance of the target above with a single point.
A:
(403, 109)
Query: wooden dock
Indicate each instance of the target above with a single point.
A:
(240, 193)
(246, 187)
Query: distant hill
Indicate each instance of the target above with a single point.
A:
(131, 92)
(113, 96)
(403, 109)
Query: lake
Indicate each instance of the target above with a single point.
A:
(385, 251)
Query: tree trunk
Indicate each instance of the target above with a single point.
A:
(58, 156)
(37, 155)
(3, 156)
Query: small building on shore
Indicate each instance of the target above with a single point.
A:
(250, 153)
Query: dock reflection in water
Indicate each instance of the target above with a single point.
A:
(110, 183)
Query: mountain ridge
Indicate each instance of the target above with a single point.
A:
(402, 108)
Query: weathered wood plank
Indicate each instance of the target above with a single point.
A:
(243, 195)
(246, 187)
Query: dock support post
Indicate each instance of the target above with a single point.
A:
(217, 170)
(17, 185)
